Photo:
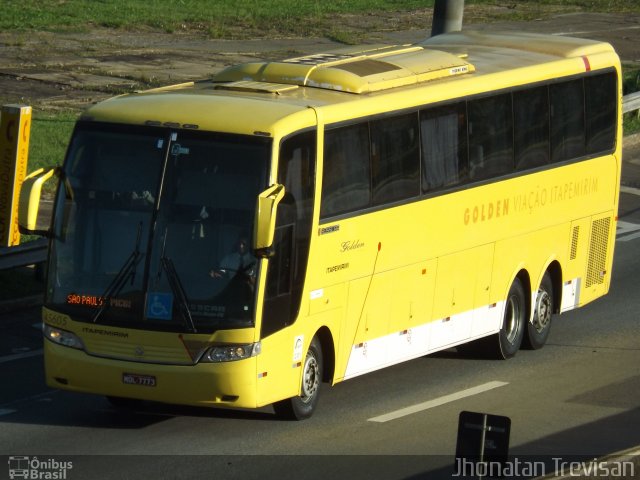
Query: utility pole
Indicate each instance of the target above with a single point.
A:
(447, 16)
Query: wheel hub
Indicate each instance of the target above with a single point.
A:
(512, 325)
(542, 315)
(310, 379)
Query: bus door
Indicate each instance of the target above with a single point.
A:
(278, 364)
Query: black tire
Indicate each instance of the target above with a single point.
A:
(514, 322)
(537, 331)
(303, 405)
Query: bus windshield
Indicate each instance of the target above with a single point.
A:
(152, 228)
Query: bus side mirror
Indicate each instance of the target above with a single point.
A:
(32, 217)
(265, 222)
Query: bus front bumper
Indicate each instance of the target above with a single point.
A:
(204, 384)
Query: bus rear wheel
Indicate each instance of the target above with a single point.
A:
(303, 405)
(511, 333)
(540, 326)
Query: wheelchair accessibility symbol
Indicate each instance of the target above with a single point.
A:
(159, 305)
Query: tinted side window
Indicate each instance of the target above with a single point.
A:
(444, 146)
(567, 120)
(279, 273)
(346, 175)
(395, 158)
(490, 137)
(531, 127)
(600, 100)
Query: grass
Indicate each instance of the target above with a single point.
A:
(630, 78)
(248, 18)
(50, 133)
(632, 123)
(208, 16)
(631, 84)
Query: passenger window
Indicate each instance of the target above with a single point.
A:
(346, 174)
(490, 137)
(444, 146)
(395, 159)
(567, 120)
(531, 127)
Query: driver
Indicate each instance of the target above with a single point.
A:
(240, 260)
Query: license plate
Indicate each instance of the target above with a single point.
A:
(135, 379)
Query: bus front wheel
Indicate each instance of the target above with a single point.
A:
(303, 405)
(514, 321)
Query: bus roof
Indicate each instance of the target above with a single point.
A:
(264, 93)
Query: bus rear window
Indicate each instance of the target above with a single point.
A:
(600, 100)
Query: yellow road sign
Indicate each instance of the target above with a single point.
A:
(15, 127)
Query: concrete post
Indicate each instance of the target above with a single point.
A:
(447, 16)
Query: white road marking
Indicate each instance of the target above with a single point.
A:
(629, 237)
(631, 190)
(40, 397)
(626, 227)
(627, 231)
(403, 412)
(19, 356)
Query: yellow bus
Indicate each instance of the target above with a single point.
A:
(236, 241)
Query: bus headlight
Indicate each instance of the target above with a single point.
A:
(62, 337)
(231, 353)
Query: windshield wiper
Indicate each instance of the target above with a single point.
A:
(126, 272)
(178, 291)
(167, 265)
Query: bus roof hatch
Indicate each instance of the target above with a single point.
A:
(354, 70)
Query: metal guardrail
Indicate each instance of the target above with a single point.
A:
(631, 102)
(33, 253)
(30, 253)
